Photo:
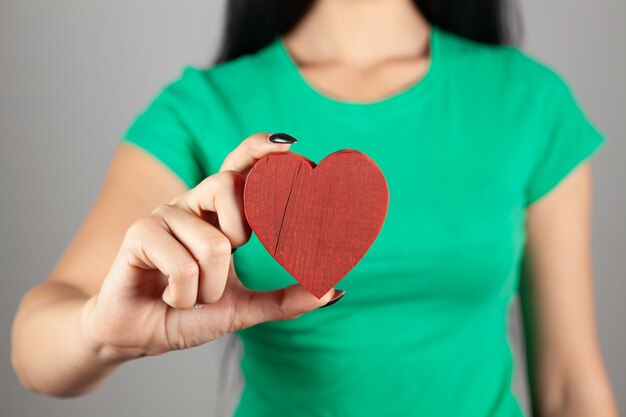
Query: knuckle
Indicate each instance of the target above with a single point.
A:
(229, 179)
(238, 321)
(206, 182)
(139, 228)
(281, 304)
(240, 314)
(180, 197)
(201, 189)
(162, 210)
(185, 273)
(218, 247)
(229, 182)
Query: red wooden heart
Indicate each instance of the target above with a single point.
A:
(316, 221)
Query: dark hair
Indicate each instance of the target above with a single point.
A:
(253, 24)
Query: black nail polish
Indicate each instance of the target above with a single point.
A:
(281, 138)
(337, 297)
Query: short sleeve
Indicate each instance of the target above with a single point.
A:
(164, 129)
(569, 139)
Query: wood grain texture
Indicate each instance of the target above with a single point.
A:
(317, 221)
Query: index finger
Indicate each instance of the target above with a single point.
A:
(251, 149)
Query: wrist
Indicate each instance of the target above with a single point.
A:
(104, 352)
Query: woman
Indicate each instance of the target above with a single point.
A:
(484, 150)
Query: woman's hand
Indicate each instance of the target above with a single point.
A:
(173, 284)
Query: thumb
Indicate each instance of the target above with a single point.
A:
(282, 304)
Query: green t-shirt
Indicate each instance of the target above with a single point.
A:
(422, 329)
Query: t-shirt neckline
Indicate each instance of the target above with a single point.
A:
(416, 91)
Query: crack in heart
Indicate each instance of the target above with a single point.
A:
(282, 221)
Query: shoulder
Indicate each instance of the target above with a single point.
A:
(224, 80)
(205, 94)
(508, 68)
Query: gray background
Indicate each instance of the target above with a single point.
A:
(73, 73)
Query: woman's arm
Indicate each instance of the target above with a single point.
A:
(48, 340)
(127, 285)
(566, 370)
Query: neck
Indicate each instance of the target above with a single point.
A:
(359, 33)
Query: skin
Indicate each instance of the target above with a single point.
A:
(150, 249)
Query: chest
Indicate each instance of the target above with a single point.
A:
(454, 227)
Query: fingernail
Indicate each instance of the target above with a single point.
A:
(338, 295)
(281, 138)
